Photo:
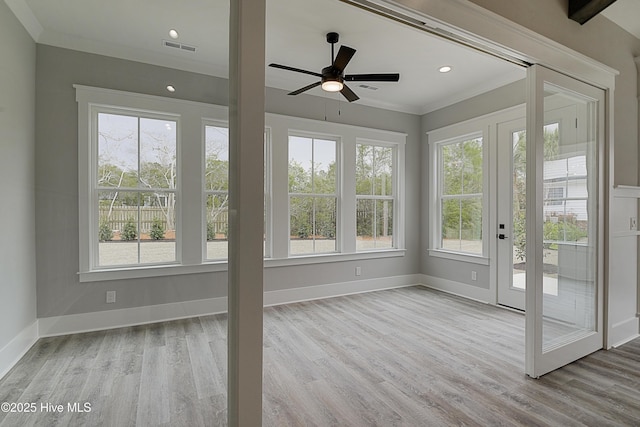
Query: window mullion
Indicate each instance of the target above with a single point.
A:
(139, 186)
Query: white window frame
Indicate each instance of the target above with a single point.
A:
(268, 200)
(438, 138)
(337, 193)
(190, 219)
(189, 116)
(267, 190)
(206, 192)
(396, 190)
(96, 110)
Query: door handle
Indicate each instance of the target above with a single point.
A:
(502, 237)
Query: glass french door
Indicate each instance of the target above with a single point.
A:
(511, 233)
(564, 274)
(559, 125)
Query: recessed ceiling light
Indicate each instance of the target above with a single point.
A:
(445, 69)
(171, 88)
(173, 34)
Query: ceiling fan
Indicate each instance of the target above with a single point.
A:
(332, 78)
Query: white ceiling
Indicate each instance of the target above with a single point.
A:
(295, 36)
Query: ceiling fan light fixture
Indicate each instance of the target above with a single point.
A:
(332, 85)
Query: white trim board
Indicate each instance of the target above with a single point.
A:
(457, 288)
(11, 353)
(101, 320)
(622, 332)
(288, 296)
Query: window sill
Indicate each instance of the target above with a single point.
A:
(151, 271)
(215, 266)
(458, 256)
(332, 257)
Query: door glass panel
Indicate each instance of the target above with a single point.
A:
(570, 218)
(519, 200)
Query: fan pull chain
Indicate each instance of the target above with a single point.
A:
(325, 109)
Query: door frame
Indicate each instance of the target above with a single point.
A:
(537, 361)
(499, 203)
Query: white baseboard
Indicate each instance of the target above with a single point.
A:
(287, 296)
(17, 347)
(457, 288)
(101, 320)
(110, 319)
(622, 332)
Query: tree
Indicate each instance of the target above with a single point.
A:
(551, 151)
(128, 165)
(312, 216)
(216, 180)
(374, 165)
(462, 178)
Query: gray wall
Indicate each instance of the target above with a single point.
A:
(59, 290)
(17, 205)
(507, 96)
(599, 39)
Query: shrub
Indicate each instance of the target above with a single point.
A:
(303, 231)
(129, 232)
(105, 233)
(211, 231)
(563, 231)
(157, 229)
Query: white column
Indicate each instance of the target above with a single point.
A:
(246, 129)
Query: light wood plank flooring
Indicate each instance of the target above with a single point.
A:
(410, 356)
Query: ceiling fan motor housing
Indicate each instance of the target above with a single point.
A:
(332, 74)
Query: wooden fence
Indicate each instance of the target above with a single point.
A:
(121, 214)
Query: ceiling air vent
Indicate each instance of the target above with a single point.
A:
(176, 45)
(368, 87)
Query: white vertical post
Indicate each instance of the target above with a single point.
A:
(535, 221)
(246, 130)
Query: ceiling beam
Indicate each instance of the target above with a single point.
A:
(583, 10)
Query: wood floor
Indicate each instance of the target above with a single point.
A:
(410, 356)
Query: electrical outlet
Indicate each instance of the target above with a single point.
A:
(633, 223)
(358, 271)
(474, 275)
(111, 297)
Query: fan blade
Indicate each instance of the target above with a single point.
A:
(348, 93)
(306, 88)
(344, 56)
(297, 70)
(391, 77)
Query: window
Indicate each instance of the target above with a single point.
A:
(460, 195)
(313, 200)
(375, 196)
(153, 183)
(216, 182)
(554, 196)
(135, 188)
